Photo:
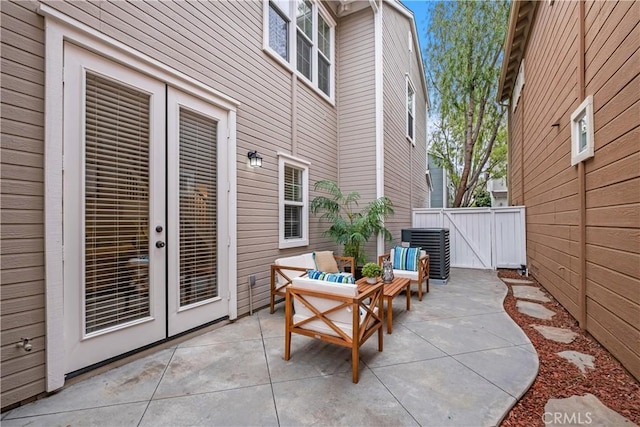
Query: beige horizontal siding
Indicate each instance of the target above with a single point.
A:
(219, 44)
(356, 102)
(404, 163)
(21, 190)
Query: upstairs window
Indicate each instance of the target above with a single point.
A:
(306, 47)
(304, 37)
(278, 31)
(411, 108)
(324, 56)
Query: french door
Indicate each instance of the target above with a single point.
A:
(141, 197)
(195, 291)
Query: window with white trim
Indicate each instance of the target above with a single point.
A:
(294, 201)
(582, 138)
(306, 47)
(278, 31)
(411, 108)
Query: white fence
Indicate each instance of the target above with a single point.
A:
(480, 237)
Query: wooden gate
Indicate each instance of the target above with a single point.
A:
(480, 237)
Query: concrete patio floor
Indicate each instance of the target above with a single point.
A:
(455, 359)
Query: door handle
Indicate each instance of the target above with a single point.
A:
(160, 244)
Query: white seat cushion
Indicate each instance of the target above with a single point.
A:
(320, 326)
(406, 274)
(323, 304)
(341, 318)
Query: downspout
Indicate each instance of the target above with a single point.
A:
(379, 99)
(336, 85)
(507, 105)
(509, 154)
(412, 144)
(522, 102)
(294, 114)
(582, 193)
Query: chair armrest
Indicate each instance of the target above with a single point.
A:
(280, 269)
(374, 296)
(382, 257)
(423, 268)
(346, 260)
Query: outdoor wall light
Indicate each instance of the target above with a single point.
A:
(255, 159)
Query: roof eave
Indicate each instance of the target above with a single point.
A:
(520, 19)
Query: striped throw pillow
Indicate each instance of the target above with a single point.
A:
(406, 258)
(330, 277)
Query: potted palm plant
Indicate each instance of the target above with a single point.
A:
(350, 226)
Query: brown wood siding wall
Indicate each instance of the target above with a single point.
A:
(404, 164)
(550, 186)
(219, 44)
(22, 188)
(612, 68)
(551, 191)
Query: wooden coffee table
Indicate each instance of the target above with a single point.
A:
(390, 291)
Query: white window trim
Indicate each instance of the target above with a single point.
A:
(290, 64)
(409, 84)
(519, 84)
(288, 160)
(265, 36)
(584, 110)
(58, 29)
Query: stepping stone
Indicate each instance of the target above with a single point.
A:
(556, 334)
(534, 309)
(581, 360)
(518, 281)
(529, 292)
(581, 411)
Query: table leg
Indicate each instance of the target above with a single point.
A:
(408, 292)
(389, 314)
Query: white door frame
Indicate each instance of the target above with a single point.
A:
(58, 29)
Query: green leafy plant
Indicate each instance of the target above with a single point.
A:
(350, 227)
(371, 269)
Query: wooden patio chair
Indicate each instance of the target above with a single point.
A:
(284, 270)
(415, 276)
(333, 312)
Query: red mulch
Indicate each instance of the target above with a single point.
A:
(558, 378)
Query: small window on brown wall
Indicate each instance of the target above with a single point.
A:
(582, 135)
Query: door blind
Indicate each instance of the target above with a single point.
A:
(198, 208)
(116, 204)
